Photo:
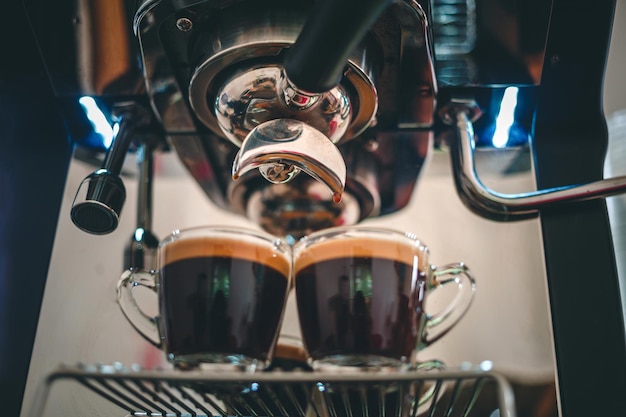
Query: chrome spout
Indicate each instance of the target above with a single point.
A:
(282, 148)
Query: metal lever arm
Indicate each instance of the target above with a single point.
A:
(508, 207)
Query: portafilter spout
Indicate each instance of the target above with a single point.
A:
(281, 148)
(281, 131)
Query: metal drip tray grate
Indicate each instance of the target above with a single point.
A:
(286, 393)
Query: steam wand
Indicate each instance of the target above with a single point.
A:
(140, 252)
(100, 197)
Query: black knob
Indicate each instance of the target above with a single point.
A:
(98, 203)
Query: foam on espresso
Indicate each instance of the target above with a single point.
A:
(361, 247)
(199, 247)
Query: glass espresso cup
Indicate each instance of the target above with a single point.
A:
(361, 295)
(221, 297)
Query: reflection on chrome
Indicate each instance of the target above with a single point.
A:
(98, 120)
(505, 118)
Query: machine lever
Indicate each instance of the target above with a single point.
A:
(316, 61)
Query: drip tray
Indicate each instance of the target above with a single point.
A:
(166, 392)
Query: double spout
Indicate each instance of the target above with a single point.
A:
(281, 148)
(289, 118)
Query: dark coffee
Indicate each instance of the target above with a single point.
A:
(221, 297)
(360, 299)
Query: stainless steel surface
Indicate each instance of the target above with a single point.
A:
(295, 393)
(262, 94)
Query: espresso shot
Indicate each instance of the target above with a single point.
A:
(221, 297)
(360, 302)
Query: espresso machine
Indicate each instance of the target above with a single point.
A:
(304, 115)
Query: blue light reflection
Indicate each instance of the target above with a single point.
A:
(98, 120)
(505, 118)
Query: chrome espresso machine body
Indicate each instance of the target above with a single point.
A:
(219, 79)
(303, 115)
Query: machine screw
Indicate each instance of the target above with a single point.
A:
(184, 24)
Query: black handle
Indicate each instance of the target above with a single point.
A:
(317, 59)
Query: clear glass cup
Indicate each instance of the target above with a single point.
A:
(221, 296)
(361, 295)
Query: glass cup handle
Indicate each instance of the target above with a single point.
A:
(145, 325)
(443, 321)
